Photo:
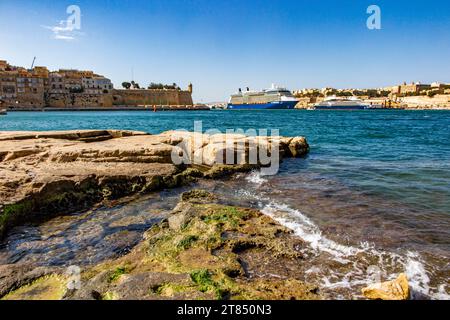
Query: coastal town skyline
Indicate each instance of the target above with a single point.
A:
(168, 42)
(39, 87)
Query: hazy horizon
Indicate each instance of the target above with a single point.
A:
(221, 46)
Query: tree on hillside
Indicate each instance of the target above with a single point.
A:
(126, 85)
(163, 86)
(431, 94)
(135, 85)
(344, 94)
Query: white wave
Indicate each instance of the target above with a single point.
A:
(307, 230)
(304, 228)
(417, 275)
(256, 178)
(419, 279)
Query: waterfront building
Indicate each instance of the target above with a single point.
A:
(30, 88)
(97, 85)
(38, 87)
(56, 83)
(440, 86)
(8, 85)
(413, 88)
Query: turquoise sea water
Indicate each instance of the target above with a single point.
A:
(375, 186)
(400, 155)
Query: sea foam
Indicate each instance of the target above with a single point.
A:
(410, 262)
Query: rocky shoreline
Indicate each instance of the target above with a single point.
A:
(203, 250)
(45, 173)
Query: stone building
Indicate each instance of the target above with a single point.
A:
(56, 83)
(41, 72)
(30, 88)
(38, 88)
(440, 86)
(8, 87)
(97, 85)
(72, 80)
(410, 89)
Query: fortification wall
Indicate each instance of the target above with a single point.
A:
(116, 98)
(63, 100)
(33, 100)
(152, 97)
(440, 100)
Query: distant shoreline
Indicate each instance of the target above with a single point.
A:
(121, 109)
(140, 108)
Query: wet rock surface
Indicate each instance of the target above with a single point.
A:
(220, 252)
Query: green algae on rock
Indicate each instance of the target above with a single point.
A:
(208, 258)
(211, 256)
(52, 287)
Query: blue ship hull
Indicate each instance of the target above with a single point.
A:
(260, 106)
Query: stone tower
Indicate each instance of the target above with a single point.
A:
(190, 88)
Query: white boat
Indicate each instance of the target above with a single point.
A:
(341, 103)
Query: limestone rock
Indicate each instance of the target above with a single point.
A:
(178, 221)
(397, 289)
(198, 196)
(298, 147)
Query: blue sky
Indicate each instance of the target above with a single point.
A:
(222, 45)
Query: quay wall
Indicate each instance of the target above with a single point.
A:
(175, 99)
(67, 100)
(155, 108)
(438, 101)
(152, 97)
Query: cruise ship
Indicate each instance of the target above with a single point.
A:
(341, 103)
(273, 98)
